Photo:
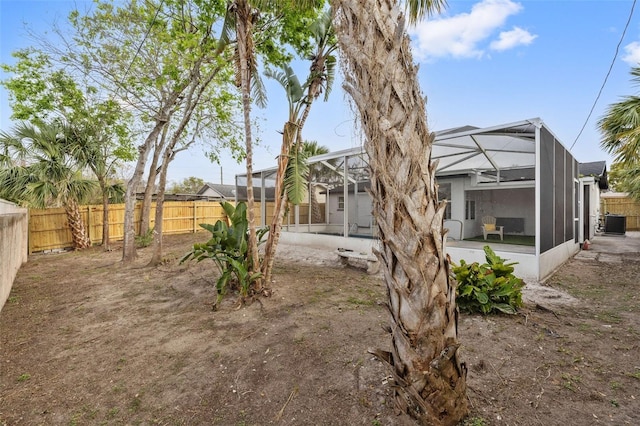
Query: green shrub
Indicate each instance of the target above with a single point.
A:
(489, 287)
(144, 240)
(228, 248)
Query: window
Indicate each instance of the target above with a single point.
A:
(341, 203)
(470, 210)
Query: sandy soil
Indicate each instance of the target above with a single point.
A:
(84, 341)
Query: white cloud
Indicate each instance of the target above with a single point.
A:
(632, 56)
(510, 39)
(460, 36)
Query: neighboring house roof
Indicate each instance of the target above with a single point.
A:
(227, 192)
(597, 169)
(178, 197)
(269, 193)
(231, 192)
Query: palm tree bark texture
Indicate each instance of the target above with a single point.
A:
(429, 377)
(78, 230)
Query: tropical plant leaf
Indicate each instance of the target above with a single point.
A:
(295, 181)
(489, 287)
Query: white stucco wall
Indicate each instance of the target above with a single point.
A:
(14, 248)
(554, 258)
(359, 209)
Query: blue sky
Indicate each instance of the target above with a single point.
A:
(482, 63)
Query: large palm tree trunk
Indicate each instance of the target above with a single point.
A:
(429, 379)
(78, 229)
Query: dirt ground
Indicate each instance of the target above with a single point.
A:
(84, 341)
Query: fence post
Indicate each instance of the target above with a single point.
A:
(29, 237)
(89, 225)
(195, 215)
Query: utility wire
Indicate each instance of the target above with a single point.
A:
(607, 76)
(145, 39)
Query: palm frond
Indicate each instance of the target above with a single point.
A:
(291, 84)
(419, 8)
(620, 129)
(227, 32)
(116, 192)
(258, 91)
(312, 148)
(321, 28)
(50, 175)
(295, 180)
(330, 75)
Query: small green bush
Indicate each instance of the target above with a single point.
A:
(489, 287)
(228, 248)
(144, 240)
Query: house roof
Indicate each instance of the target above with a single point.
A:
(231, 192)
(224, 191)
(597, 169)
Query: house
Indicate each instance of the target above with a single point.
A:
(593, 180)
(234, 192)
(519, 172)
(218, 191)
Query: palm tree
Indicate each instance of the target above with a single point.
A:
(45, 174)
(240, 18)
(429, 377)
(91, 142)
(620, 127)
(310, 149)
(293, 170)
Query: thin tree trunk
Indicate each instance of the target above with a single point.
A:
(78, 229)
(288, 138)
(197, 87)
(291, 139)
(429, 378)
(145, 209)
(245, 48)
(156, 258)
(129, 246)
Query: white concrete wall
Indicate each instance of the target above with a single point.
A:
(554, 258)
(330, 242)
(359, 209)
(527, 267)
(14, 245)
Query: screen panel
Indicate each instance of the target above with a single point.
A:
(546, 189)
(568, 197)
(559, 207)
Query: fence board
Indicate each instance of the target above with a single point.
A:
(49, 230)
(623, 206)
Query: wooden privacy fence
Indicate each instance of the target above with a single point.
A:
(622, 206)
(49, 230)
